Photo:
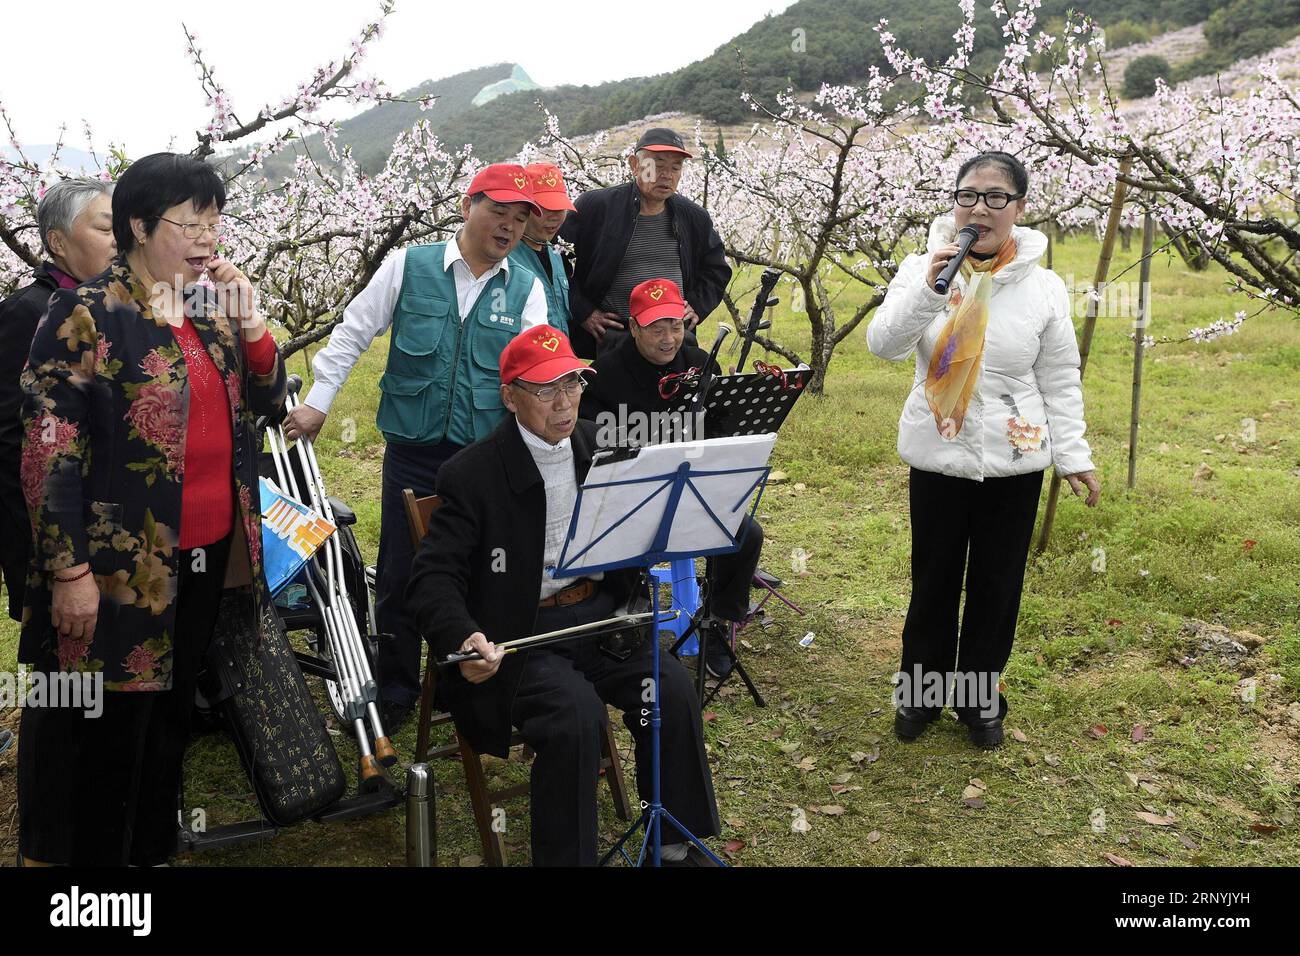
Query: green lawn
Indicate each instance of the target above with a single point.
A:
(1095, 647)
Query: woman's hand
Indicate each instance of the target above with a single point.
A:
(1086, 482)
(237, 298)
(75, 604)
(476, 672)
(940, 259)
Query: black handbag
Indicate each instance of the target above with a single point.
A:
(258, 688)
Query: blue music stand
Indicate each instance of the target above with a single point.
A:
(666, 492)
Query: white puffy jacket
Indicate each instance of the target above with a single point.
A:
(1027, 411)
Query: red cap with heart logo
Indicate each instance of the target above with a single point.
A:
(540, 354)
(656, 299)
(549, 190)
(506, 183)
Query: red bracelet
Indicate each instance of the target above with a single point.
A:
(75, 577)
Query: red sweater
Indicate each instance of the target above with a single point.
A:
(207, 499)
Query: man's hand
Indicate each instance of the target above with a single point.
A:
(690, 318)
(303, 420)
(75, 604)
(1085, 482)
(476, 672)
(599, 322)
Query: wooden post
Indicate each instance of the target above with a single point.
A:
(1139, 345)
(1089, 325)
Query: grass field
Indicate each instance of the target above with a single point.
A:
(1103, 647)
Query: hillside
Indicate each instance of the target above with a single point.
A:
(371, 133)
(812, 42)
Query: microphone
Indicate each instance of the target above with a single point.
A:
(965, 239)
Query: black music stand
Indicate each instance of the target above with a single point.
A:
(742, 404)
(647, 539)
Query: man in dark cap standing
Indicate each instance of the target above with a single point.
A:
(625, 235)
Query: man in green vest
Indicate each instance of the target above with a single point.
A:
(452, 307)
(536, 253)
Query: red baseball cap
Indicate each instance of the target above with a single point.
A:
(541, 354)
(549, 190)
(656, 299)
(506, 183)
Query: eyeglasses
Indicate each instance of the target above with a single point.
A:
(192, 230)
(671, 385)
(549, 393)
(994, 200)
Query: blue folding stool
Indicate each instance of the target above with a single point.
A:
(686, 598)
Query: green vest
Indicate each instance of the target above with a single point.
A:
(443, 377)
(557, 287)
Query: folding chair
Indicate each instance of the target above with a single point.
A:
(481, 798)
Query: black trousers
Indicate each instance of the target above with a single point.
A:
(105, 791)
(559, 709)
(415, 467)
(731, 575)
(976, 529)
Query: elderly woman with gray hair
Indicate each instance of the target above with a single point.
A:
(75, 219)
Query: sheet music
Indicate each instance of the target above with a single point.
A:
(724, 475)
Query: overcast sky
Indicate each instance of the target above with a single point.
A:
(122, 67)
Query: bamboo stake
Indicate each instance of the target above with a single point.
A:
(1089, 325)
(1139, 345)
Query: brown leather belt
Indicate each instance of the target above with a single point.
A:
(573, 594)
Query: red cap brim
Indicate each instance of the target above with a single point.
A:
(510, 196)
(668, 149)
(551, 369)
(669, 310)
(554, 201)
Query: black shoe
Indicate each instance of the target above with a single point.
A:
(985, 731)
(395, 716)
(717, 662)
(910, 722)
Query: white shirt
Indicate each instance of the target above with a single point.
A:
(555, 462)
(370, 314)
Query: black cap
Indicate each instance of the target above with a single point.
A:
(661, 139)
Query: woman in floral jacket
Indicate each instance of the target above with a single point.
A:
(139, 470)
(997, 399)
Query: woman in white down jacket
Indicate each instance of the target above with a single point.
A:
(996, 400)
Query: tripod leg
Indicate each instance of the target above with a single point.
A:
(700, 672)
(686, 636)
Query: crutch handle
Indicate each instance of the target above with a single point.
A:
(385, 752)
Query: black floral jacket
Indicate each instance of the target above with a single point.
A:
(106, 401)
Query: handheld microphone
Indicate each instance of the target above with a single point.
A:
(965, 239)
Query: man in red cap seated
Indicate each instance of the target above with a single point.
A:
(481, 578)
(624, 235)
(452, 307)
(635, 399)
(535, 253)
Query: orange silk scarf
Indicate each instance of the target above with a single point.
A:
(955, 364)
